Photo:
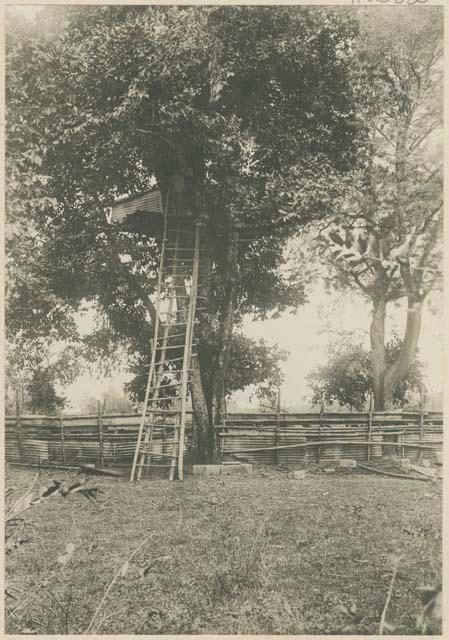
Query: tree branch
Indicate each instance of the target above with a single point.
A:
(383, 135)
(427, 287)
(418, 140)
(418, 273)
(428, 220)
(407, 279)
(138, 286)
(158, 135)
(363, 287)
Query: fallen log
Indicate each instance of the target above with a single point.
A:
(391, 475)
(43, 465)
(91, 468)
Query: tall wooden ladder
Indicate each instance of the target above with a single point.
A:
(162, 429)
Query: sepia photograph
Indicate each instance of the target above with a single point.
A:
(224, 319)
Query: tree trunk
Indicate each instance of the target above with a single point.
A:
(398, 369)
(377, 336)
(209, 372)
(226, 327)
(386, 378)
(204, 448)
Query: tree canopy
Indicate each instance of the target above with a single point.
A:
(104, 100)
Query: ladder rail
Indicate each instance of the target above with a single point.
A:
(159, 369)
(188, 352)
(153, 351)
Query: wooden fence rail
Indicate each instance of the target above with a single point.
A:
(267, 438)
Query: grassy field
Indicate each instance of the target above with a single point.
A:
(225, 555)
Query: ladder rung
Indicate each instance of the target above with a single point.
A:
(172, 285)
(166, 386)
(146, 447)
(163, 399)
(170, 313)
(172, 264)
(169, 268)
(170, 243)
(186, 274)
(153, 465)
(179, 229)
(177, 324)
(169, 410)
(174, 360)
(174, 346)
(174, 335)
(182, 253)
(157, 454)
(163, 424)
(181, 345)
(160, 398)
(165, 362)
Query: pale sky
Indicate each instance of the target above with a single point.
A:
(305, 335)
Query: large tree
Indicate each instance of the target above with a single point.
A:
(381, 227)
(112, 98)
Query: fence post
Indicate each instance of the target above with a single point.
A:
(19, 428)
(370, 424)
(61, 427)
(100, 433)
(421, 424)
(276, 429)
(221, 439)
(318, 449)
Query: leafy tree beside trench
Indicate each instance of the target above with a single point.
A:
(104, 100)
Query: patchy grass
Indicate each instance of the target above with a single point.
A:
(227, 555)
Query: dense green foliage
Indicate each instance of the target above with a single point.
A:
(347, 377)
(36, 373)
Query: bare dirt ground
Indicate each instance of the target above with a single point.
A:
(261, 554)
